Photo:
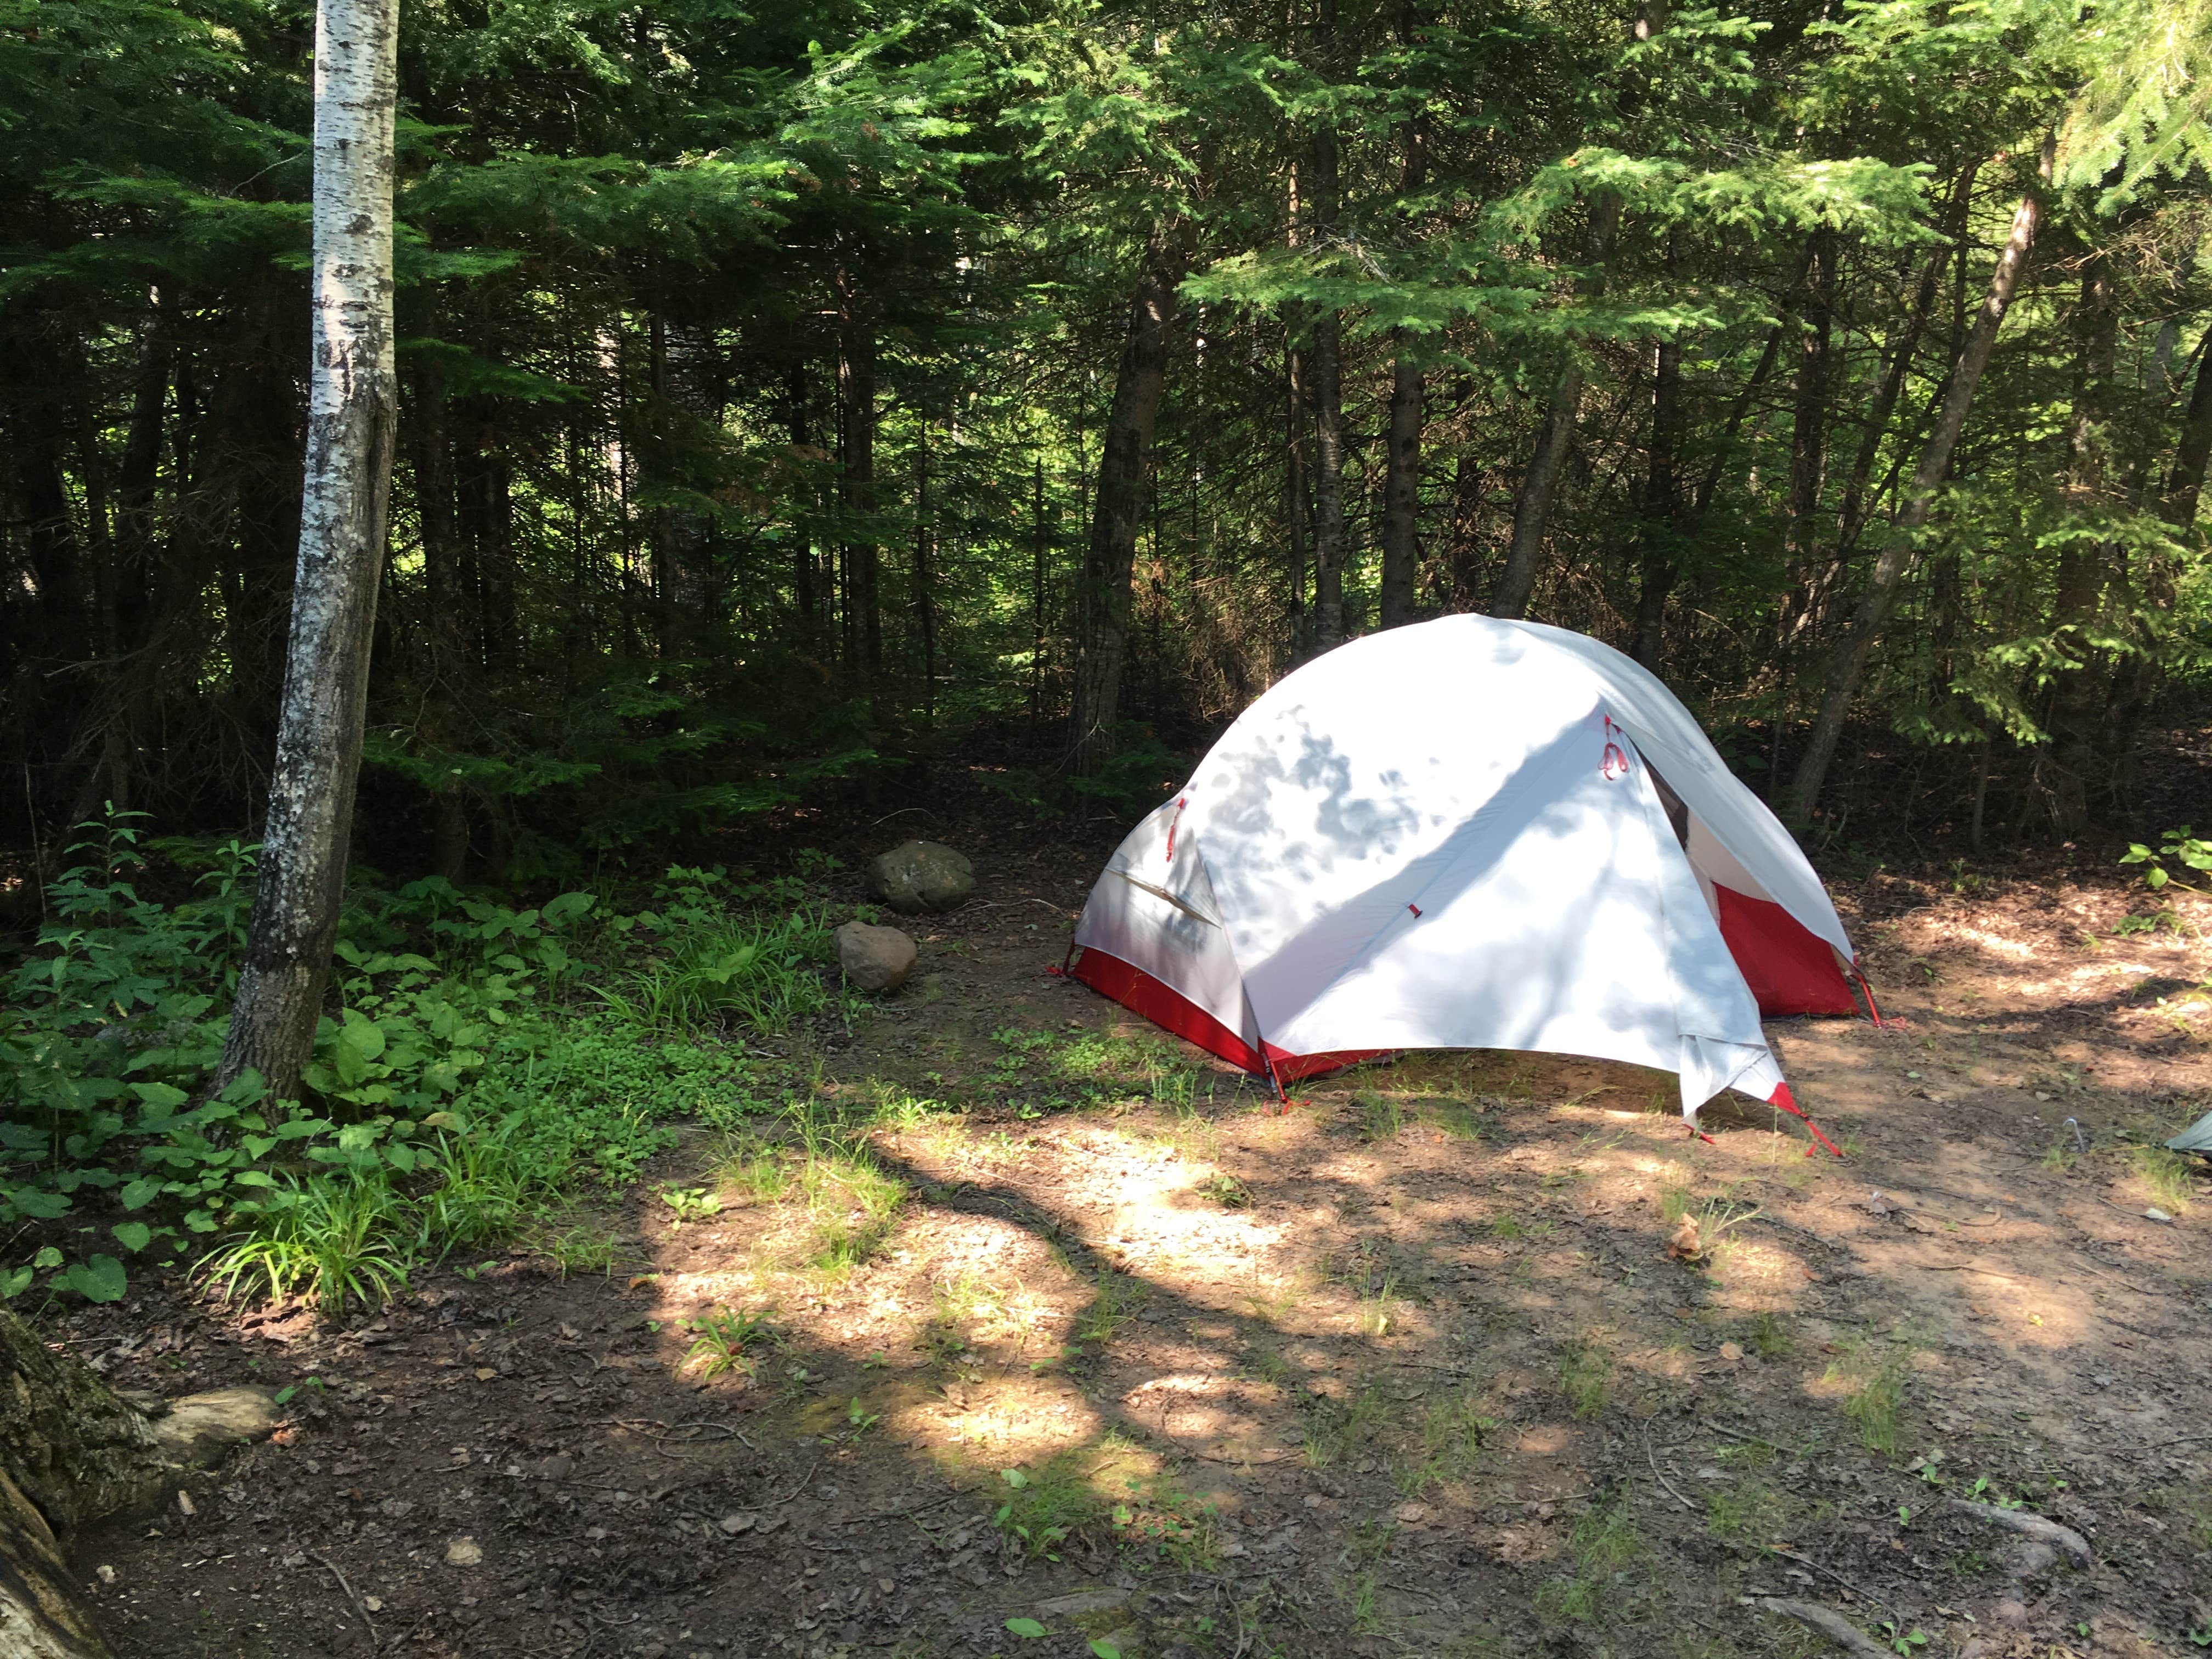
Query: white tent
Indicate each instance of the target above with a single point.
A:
(1469, 834)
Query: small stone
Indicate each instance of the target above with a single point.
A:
(874, 958)
(734, 1524)
(373, 1604)
(396, 1508)
(919, 876)
(464, 1552)
(107, 1573)
(485, 1373)
(2156, 1214)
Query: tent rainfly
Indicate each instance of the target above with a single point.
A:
(1469, 834)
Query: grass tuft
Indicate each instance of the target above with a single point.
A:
(1585, 1376)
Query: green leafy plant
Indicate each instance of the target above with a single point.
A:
(330, 1238)
(721, 1341)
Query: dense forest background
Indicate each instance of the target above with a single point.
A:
(798, 393)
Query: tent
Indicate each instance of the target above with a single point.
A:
(1469, 834)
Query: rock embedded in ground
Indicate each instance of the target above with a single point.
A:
(917, 877)
(874, 958)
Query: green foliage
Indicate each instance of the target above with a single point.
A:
(2179, 846)
(460, 1092)
(721, 1341)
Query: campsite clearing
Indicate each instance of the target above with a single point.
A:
(1121, 1348)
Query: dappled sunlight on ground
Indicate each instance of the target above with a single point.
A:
(1011, 1309)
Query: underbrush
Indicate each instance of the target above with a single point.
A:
(482, 1066)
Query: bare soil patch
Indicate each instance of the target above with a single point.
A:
(1407, 1368)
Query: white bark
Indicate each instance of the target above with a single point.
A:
(351, 411)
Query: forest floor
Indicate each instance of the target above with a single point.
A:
(1404, 1368)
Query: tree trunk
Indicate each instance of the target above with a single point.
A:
(1402, 451)
(856, 383)
(1329, 620)
(73, 1451)
(2186, 482)
(1853, 514)
(1401, 493)
(1330, 628)
(1657, 566)
(1532, 502)
(1103, 611)
(2078, 588)
(1296, 497)
(924, 604)
(1809, 408)
(351, 413)
(445, 593)
(1850, 663)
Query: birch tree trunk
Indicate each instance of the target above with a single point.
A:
(351, 413)
(1850, 663)
(1124, 464)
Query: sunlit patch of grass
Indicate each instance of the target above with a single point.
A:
(1114, 1300)
(2167, 1174)
(1270, 1300)
(721, 1342)
(1458, 1118)
(749, 1165)
(330, 1239)
(1716, 1218)
(1381, 1116)
(1585, 1376)
(1744, 1511)
(1605, 1542)
(1378, 1308)
(1875, 1383)
(1335, 1426)
(1367, 1549)
(578, 1248)
(1455, 1431)
(1113, 1492)
(893, 1106)
(1041, 1509)
(1769, 1335)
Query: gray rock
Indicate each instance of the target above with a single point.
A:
(874, 958)
(919, 876)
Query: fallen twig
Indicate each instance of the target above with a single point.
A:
(2029, 1526)
(1763, 1550)
(367, 1624)
(1752, 1439)
(1651, 1458)
(1830, 1624)
(805, 1481)
(2160, 1445)
(899, 1515)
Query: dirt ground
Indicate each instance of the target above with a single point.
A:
(1405, 1368)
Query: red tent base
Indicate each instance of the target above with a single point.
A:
(1167, 1008)
(1789, 970)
